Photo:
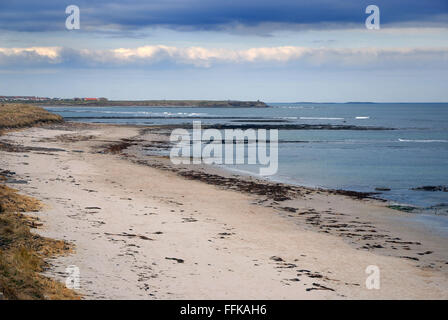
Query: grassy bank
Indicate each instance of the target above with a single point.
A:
(21, 115)
(23, 253)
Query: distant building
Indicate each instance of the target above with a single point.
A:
(35, 98)
(23, 98)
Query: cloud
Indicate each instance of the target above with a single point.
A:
(151, 55)
(32, 56)
(236, 16)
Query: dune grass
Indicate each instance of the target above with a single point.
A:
(23, 253)
(14, 115)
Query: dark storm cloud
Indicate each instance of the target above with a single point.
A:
(49, 15)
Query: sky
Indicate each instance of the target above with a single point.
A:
(274, 51)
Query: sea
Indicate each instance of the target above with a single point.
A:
(412, 155)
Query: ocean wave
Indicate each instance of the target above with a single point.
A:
(320, 118)
(421, 141)
(295, 107)
(362, 118)
(139, 113)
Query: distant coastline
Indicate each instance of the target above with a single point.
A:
(157, 103)
(357, 102)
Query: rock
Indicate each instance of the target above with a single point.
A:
(144, 237)
(275, 258)
(289, 209)
(382, 189)
(176, 259)
(402, 208)
(431, 188)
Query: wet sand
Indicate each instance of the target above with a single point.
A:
(146, 229)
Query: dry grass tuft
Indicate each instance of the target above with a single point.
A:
(11, 201)
(22, 253)
(14, 115)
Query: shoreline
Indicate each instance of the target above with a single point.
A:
(213, 224)
(375, 193)
(216, 175)
(402, 206)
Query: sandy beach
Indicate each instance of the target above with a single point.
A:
(144, 229)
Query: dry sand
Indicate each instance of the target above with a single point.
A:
(142, 232)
